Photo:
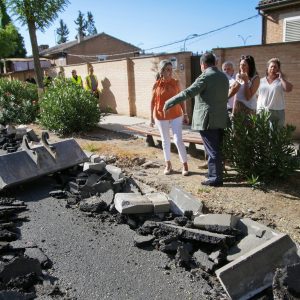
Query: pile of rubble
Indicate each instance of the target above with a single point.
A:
(23, 266)
(225, 245)
(229, 247)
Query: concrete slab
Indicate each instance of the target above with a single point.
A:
(197, 234)
(160, 202)
(182, 202)
(222, 223)
(255, 270)
(130, 203)
(115, 172)
(35, 162)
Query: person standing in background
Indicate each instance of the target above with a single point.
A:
(76, 78)
(248, 80)
(210, 116)
(271, 92)
(164, 88)
(228, 69)
(91, 82)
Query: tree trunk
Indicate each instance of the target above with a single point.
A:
(35, 53)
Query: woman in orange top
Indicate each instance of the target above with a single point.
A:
(164, 88)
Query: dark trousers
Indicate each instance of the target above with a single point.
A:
(212, 141)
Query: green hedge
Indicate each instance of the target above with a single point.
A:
(258, 150)
(68, 108)
(18, 102)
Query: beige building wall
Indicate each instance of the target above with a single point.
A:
(289, 55)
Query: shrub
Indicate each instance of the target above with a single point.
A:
(68, 108)
(259, 150)
(18, 102)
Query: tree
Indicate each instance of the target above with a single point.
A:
(91, 28)
(81, 23)
(8, 36)
(18, 41)
(37, 15)
(62, 32)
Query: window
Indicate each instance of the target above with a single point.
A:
(291, 29)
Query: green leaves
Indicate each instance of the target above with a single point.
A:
(18, 102)
(68, 108)
(259, 150)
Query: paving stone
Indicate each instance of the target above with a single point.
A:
(130, 203)
(94, 167)
(19, 266)
(255, 270)
(221, 223)
(198, 235)
(182, 202)
(246, 244)
(115, 172)
(248, 226)
(160, 202)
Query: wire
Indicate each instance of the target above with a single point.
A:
(171, 43)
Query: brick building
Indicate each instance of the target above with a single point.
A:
(93, 48)
(280, 20)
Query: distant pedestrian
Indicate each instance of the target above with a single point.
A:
(164, 88)
(91, 82)
(61, 73)
(271, 92)
(210, 116)
(228, 69)
(76, 78)
(47, 78)
(248, 80)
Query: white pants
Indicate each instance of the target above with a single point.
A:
(164, 130)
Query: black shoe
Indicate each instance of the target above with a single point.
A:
(212, 183)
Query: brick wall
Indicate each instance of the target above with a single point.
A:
(289, 55)
(274, 23)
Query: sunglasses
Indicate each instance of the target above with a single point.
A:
(246, 57)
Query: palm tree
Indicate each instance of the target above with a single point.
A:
(37, 15)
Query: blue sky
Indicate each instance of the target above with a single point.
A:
(149, 24)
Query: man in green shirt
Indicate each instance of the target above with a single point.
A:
(210, 116)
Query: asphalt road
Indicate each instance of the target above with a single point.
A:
(95, 260)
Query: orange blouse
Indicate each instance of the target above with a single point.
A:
(163, 90)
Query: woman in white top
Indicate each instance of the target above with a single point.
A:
(271, 92)
(248, 81)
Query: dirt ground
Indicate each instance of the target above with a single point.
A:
(276, 205)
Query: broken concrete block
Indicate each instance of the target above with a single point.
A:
(255, 270)
(19, 266)
(198, 235)
(202, 260)
(95, 158)
(246, 244)
(32, 135)
(92, 204)
(248, 226)
(129, 203)
(286, 282)
(38, 254)
(94, 167)
(21, 244)
(115, 172)
(108, 197)
(182, 202)
(160, 202)
(143, 240)
(221, 223)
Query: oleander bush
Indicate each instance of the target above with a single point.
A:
(18, 102)
(67, 108)
(258, 149)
